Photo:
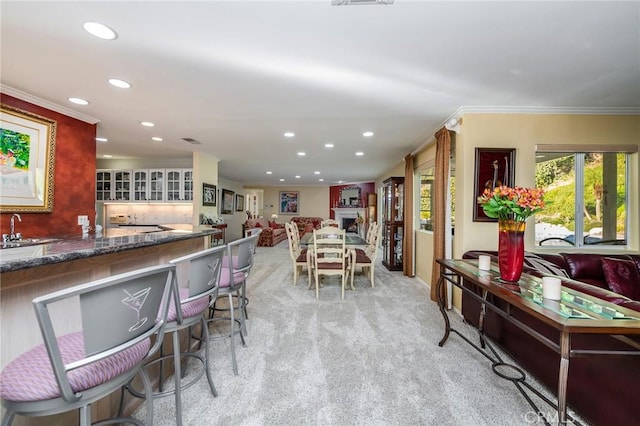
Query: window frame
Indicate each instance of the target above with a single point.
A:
(579, 196)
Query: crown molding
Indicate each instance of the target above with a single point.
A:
(46, 104)
(546, 110)
(480, 109)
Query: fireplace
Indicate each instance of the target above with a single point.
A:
(349, 224)
(349, 214)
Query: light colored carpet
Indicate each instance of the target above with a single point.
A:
(370, 359)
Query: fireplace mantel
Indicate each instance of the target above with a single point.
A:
(348, 213)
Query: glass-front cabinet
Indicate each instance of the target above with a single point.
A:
(140, 187)
(155, 185)
(103, 185)
(393, 223)
(122, 183)
(179, 185)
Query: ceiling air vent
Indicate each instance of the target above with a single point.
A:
(192, 141)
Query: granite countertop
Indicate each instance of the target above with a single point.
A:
(112, 240)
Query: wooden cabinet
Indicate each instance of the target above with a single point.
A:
(393, 223)
(155, 185)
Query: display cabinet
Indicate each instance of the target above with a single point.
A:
(122, 183)
(156, 185)
(393, 223)
(103, 185)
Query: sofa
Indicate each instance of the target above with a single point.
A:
(272, 232)
(603, 390)
(306, 224)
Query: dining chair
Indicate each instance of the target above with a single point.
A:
(366, 258)
(299, 256)
(329, 222)
(237, 265)
(191, 297)
(119, 315)
(329, 255)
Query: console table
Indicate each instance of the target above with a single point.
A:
(575, 313)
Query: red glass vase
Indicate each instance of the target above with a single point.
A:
(510, 249)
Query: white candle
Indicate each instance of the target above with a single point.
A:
(551, 288)
(484, 262)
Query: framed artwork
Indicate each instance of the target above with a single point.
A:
(209, 194)
(289, 202)
(227, 202)
(239, 203)
(27, 156)
(494, 167)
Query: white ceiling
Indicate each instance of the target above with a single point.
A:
(235, 75)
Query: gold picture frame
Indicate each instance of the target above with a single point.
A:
(27, 158)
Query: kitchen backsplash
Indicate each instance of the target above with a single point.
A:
(146, 214)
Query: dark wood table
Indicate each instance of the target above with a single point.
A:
(575, 313)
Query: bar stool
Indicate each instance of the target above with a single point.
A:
(119, 315)
(237, 265)
(193, 296)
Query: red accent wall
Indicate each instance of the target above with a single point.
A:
(334, 195)
(74, 184)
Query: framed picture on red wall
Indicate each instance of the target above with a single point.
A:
(27, 155)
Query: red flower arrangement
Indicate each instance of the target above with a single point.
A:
(505, 203)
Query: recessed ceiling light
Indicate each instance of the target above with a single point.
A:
(100, 31)
(367, 134)
(302, 154)
(316, 172)
(119, 83)
(320, 180)
(269, 172)
(297, 176)
(328, 145)
(147, 123)
(281, 180)
(540, 156)
(79, 101)
(157, 139)
(101, 139)
(107, 156)
(359, 153)
(289, 134)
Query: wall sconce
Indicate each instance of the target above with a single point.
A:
(453, 124)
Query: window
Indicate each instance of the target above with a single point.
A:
(426, 206)
(585, 196)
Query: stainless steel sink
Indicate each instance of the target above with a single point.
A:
(26, 242)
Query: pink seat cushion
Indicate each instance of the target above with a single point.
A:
(30, 376)
(238, 278)
(191, 309)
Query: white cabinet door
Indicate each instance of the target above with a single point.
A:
(122, 185)
(187, 185)
(104, 185)
(179, 185)
(140, 185)
(157, 185)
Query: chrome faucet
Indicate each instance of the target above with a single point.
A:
(13, 236)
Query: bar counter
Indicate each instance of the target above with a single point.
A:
(28, 272)
(112, 240)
